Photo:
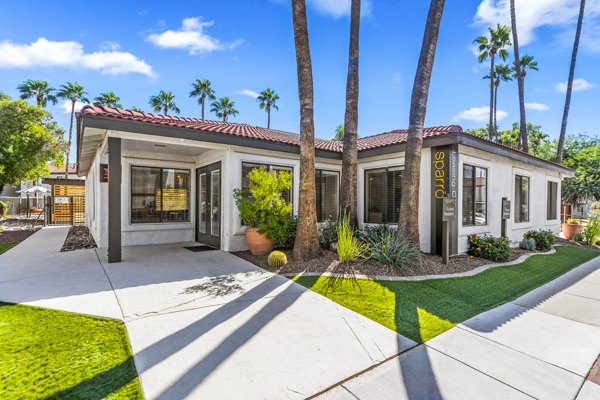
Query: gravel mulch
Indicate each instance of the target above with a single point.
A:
(17, 230)
(431, 264)
(79, 238)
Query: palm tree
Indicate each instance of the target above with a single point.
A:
(503, 73)
(108, 99)
(523, 145)
(268, 99)
(408, 223)
(41, 90)
(563, 126)
(136, 108)
(306, 245)
(339, 133)
(525, 62)
(73, 92)
(163, 101)
(223, 108)
(490, 47)
(350, 149)
(201, 89)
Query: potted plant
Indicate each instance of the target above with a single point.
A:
(265, 213)
(571, 227)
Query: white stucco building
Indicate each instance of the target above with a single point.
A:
(161, 179)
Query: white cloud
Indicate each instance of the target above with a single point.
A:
(340, 8)
(534, 14)
(66, 106)
(110, 46)
(191, 37)
(248, 92)
(69, 54)
(579, 85)
(536, 106)
(478, 114)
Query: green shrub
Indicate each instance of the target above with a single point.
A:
(262, 206)
(527, 244)
(4, 205)
(277, 259)
(328, 232)
(349, 248)
(386, 246)
(592, 230)
(574, 221)
(543, 239)
(578, 237)
(489, 247)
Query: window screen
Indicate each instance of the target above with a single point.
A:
(552, 200)
(383, 192)
(328, 194)
(521, 198)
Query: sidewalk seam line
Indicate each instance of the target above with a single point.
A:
(111, 285)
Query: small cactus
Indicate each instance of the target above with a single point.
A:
(277, 259)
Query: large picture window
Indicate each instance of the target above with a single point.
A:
(521, 198)
(159, 195)
(328, 194)
(474, 207)
(552, 200)
(383, 191)
(247, 167)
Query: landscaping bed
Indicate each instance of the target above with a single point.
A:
(16, 230)
(78, 238)
(53, 354)
(431, 264)
(421, 310)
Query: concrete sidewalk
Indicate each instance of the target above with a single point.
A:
(541, 345)
(203, 325)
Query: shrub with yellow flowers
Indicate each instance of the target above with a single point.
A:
(489, 247)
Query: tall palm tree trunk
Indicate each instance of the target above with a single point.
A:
(563, 126)
(496, 106)
(203, 99)
(408, 223)
(523, 141)
(350, 149)
(491, 132)
(268, 117)
(306, 245)
(70, 139)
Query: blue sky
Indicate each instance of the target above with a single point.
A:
(246, 46)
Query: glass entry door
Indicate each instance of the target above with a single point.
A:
(208, 217)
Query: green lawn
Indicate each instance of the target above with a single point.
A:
(6, 246)
(423, 310)
(59, 355)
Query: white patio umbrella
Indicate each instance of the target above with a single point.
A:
(35, 189)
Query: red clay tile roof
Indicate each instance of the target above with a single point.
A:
(256, 132)
(61, 170)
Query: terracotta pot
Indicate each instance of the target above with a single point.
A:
(258, 242)
(36, 210)
(570, 229)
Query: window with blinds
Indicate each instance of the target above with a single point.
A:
(383, 192)
(521, 198)
(328, 194)
(474, 211)
(247, 167)
(159, 195)
(552, 201)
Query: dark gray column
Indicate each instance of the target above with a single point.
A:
(114, 199)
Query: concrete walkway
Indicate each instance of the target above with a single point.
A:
(542, 345)
(203, 325)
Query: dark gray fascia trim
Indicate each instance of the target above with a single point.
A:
(484, 145)
(197, 135)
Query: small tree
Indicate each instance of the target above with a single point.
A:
(165, 102)
(29, 140)
(108, 99)
(202, 90)
(223, 108)
(268, 101)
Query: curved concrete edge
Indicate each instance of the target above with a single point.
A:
(472, 272)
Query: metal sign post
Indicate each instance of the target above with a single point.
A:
(448, 215)
(505, 215)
